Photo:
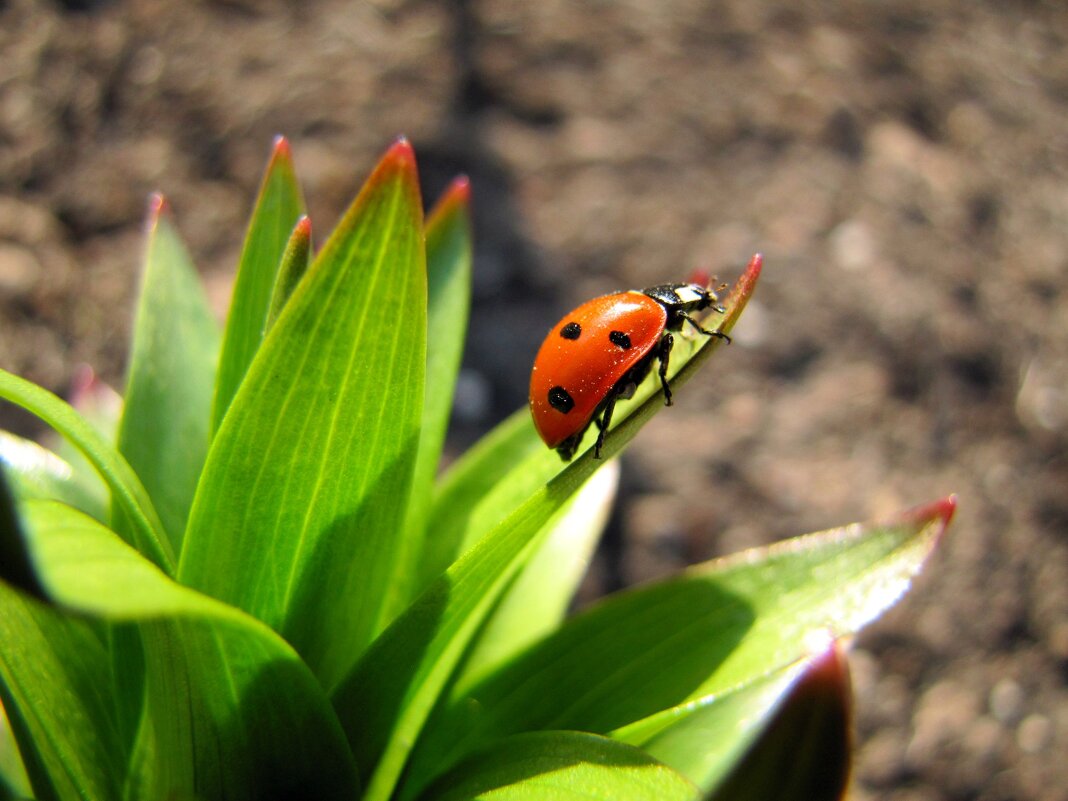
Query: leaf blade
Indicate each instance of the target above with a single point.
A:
(278, 206)
(383, 702)
(563, 766)
(448, 249)
(233, 710)
(295, 261)
(802, 752)
(53, 669)
(718, 626)
(164, 429)
(310, 471)
(147, 533)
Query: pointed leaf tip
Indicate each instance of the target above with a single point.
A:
(303, 227)
(459, 191)
(157, 206)
(942, 509)
(456, 198)
(400, 152)
(752, 270)
(280, 146)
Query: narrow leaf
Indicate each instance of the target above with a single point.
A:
(232, 711)
(295, 261)
(562, 766)
(54, 682)
(299, 510)
(146, 532)
(714, 731)
(164, 428)
(16, 567)
(100, 406)
(14, 783)
(803, 754)
(717, 626)
(278, 206)
(469, 499)
(511, 462)
(537, 600)
(383, 703)
(36, 472)
(448, 252)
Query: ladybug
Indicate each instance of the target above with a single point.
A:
(600, 352)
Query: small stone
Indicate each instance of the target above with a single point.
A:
(1034, 733)
(1006, 701)
(19, 269)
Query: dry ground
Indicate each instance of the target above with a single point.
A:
(903, 166)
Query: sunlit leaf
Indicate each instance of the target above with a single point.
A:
(278, 206)
(448, 253)
(295, 261)
(146, 531)
(231, 710)
(164, 428)
(302, 499)
(383, 703)
(562, 766)
(55, 684)
(803, 753)
(537, 600)
(622, 665)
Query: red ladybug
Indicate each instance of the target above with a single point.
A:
(601, 351)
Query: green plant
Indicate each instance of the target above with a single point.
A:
(252, 585)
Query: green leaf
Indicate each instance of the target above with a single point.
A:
(101, 407)
(714, 731)
(16, 566)
(278, 206)
(471, 496)
(146, 531)
(295, 261)
(562, 766)
(384, 702)
(14, 783)
(537, 600)
(164, 428)
(36, 472)
(232, 712)
(509, 464)
(448, 252)
(803, 754)
(54, 681)
(301, 503)
(718, 626)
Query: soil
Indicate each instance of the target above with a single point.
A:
(902, 166)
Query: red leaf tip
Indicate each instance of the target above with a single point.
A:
(280, 147)
(401, 151)
(937, 510)
(303, 227)
(755, 265)
(157, 205)
(460, 189)
(457, 193)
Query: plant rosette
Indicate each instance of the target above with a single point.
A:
(248, 580)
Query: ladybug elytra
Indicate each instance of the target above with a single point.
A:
(600, 352)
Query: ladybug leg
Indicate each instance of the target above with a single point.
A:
(663, 354)
(705, 331)
(604, 421)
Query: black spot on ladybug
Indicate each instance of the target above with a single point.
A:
(571, 331)
(560, 400)
(619, 339)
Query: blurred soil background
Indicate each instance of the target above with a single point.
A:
(902, 165)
